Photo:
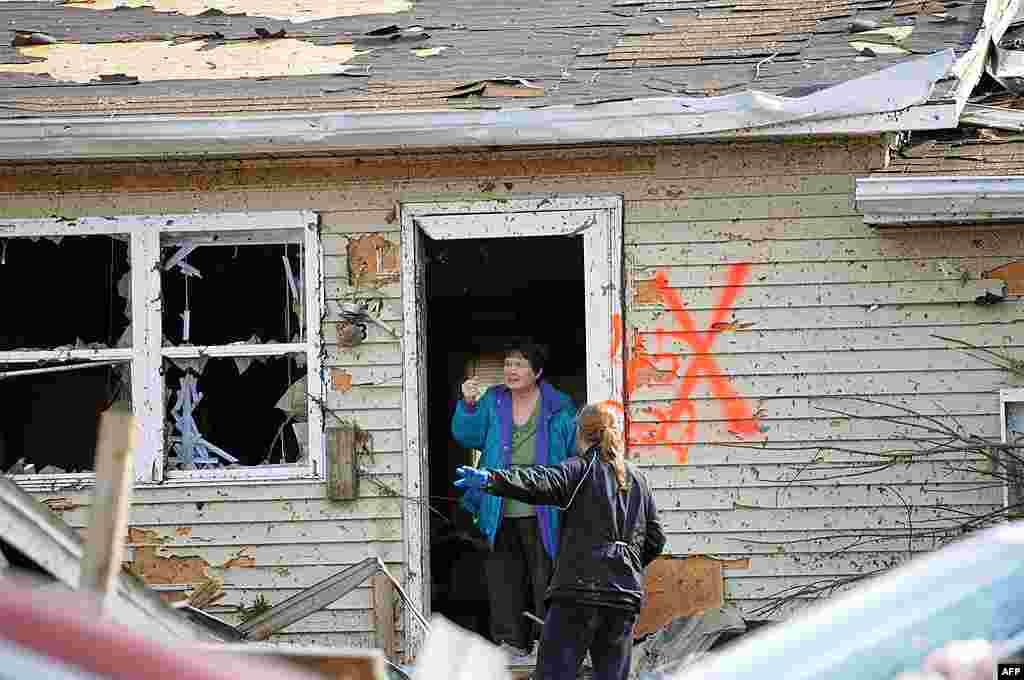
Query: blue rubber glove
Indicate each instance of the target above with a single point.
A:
(471, 478)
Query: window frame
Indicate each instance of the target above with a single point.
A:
(146, 354)
(1008, 396)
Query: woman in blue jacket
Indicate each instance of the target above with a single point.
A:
(523, 422)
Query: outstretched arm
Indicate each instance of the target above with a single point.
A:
(536, 484)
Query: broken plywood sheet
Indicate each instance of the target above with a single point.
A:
(287, 10)
(682, 587)
(166, 60)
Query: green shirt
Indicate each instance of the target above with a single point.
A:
(524, 452)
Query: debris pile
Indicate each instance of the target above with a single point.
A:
(682, 642)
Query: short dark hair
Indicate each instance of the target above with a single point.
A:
(535, 353)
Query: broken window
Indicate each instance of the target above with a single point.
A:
(71, 292)
(242, 296)
(218, 294)
(213, 352)
(65, 347)
(231, 412)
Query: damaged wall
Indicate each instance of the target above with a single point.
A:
(755, 293)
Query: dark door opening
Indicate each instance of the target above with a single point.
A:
(480, 294)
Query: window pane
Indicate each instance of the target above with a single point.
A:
(252, 409)
(60, 292)
(49, 419)
(219, 294)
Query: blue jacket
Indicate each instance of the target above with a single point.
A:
(488, 427)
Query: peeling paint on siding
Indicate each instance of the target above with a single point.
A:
(154, 568)
(294, 10)
(1012, 274)
(246, 561)
(341, 380)
(646, 292)
(372, 260)
(165, 60)
(60, 505)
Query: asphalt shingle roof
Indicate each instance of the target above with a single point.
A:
(473, 53)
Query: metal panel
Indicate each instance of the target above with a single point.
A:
(940, 200)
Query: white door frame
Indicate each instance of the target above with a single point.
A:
(598, 220)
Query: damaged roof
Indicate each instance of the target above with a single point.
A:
(188, 57)
(963, 151)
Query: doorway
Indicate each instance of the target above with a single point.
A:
(482, 294)
(477, 275)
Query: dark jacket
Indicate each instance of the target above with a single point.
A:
(602, 554)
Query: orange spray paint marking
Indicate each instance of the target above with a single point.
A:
(617, 332)
(702, 366)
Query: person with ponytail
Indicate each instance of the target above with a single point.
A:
(610, 533)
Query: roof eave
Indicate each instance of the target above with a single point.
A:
(895, 98)
(177, 137)
(969, 199)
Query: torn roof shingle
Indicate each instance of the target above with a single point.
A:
(964, 151)
(532, 53)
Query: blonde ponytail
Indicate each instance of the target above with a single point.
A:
(596, 426)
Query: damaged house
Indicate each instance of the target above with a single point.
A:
(283, 233)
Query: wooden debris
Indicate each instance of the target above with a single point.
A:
(209, 591)
(384, 615)
(108, 522)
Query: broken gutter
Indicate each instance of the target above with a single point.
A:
(893, 99)
(901, 200)
(995, 117)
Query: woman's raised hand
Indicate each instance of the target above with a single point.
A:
(471, 392)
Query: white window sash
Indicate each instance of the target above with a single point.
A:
(147, 235)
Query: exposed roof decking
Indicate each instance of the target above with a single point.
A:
(568, 52)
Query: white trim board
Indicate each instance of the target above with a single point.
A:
(145, 234)
(958, 199)
(161, 137)
(1006, 397)
(595, 219)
